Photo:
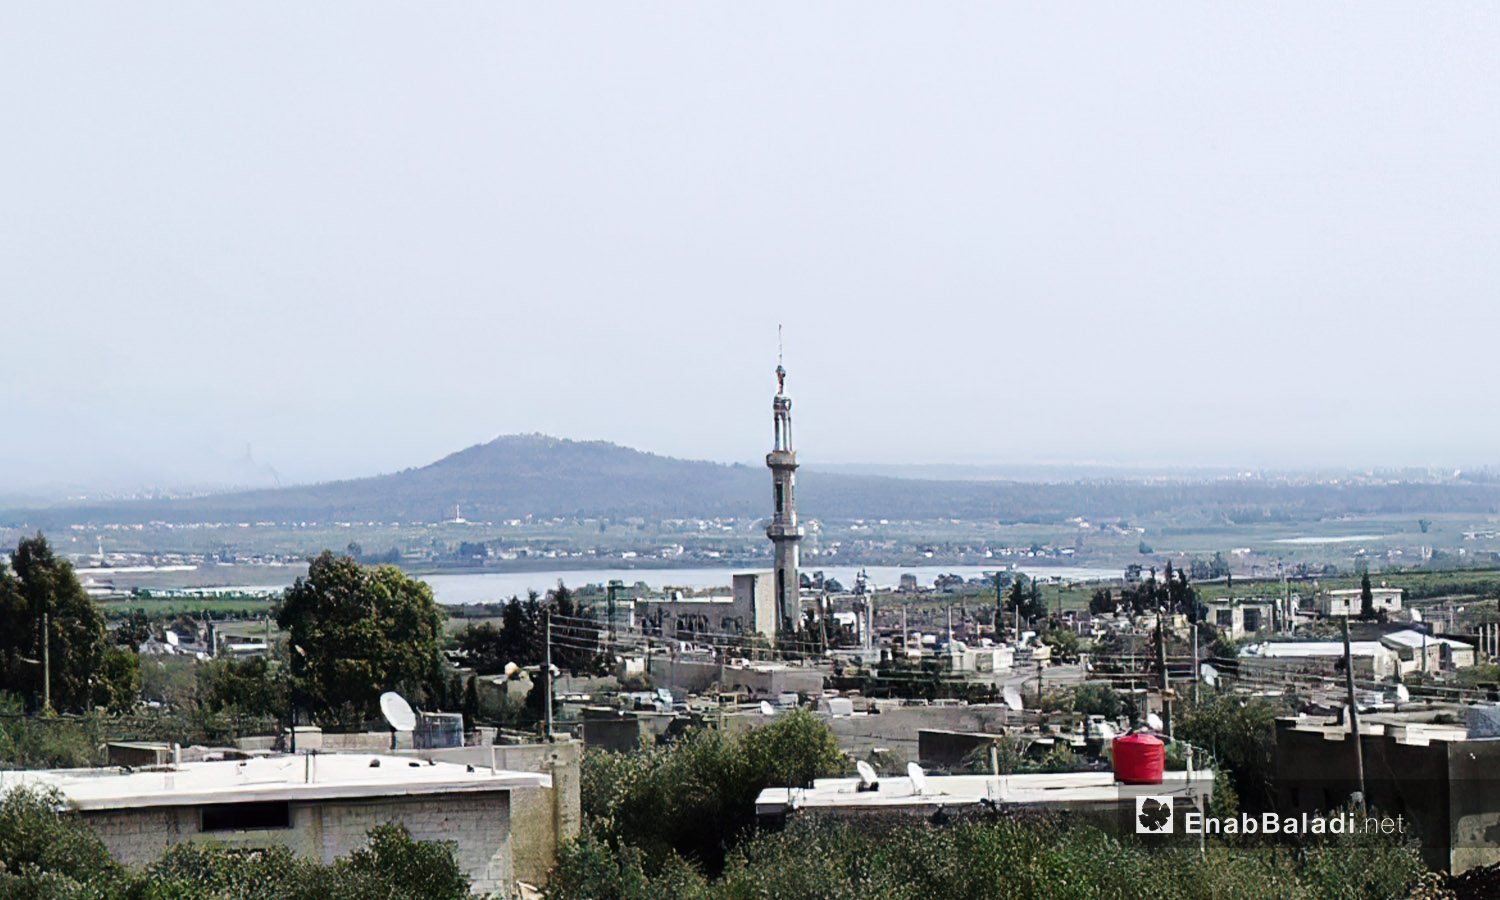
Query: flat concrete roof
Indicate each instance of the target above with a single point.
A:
(897, 791)
(1415, 639)
(318, 776)
(1274, 649)
(1404, 731)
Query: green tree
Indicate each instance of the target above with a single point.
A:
(252, 687)
(1026, 595)
(1241, 735)
(40, 585)
(471, 701)
(1095, 699)
(1366, 598)
(355, 632)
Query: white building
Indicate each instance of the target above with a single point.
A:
(318, 805)
(1371, 659)
(963, 658)
(899, 794)
(1428, 654)
(749, 609)
(1239, 618)
(1347, 602)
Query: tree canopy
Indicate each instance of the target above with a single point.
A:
(86, 670)
(355, 632)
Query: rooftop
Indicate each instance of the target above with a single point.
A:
(957, 790)
(1313, 648)
(1416, 639)
(1402, 730)
(302, 777)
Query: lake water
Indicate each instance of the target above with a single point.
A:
(486, 587)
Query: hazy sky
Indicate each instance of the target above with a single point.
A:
(355, 237)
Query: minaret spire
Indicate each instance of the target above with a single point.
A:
(783, 530)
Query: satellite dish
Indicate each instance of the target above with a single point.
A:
(397, 712)
(767, 709)
(1012, 697)
(866, 772)
(1402, 694)
(511, 669)
(1210, 674)
(664, 696)
(918, 778)
(1153, 721)
(1416, 615)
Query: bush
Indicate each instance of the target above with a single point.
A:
(694, 798)
(1027, 858)
(1098, 700)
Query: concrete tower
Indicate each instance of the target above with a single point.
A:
(783, 529)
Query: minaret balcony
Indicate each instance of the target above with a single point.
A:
(782, 459)
(784, 531)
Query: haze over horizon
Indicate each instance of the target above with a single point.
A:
(342, 240)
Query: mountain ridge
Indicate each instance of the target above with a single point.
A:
(515, 476)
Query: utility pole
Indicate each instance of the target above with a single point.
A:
(1359, 750)
(1039, 685)
(609, 592)
(1161, 665)
(1018, 619)
(547, 674)
(46, 661)
(999, 607)
(905, 635)
(1197, 669)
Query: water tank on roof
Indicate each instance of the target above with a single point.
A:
(439, 731)
(1138, 759)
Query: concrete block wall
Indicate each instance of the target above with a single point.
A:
(542, 818)
(478, 823)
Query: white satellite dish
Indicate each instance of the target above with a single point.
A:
(766, 709)
(1012, 697)
(397, 712)
(1416, 615)
(867, 776)
(1153, 721)
(511, 669)
(918, 778)
(1210, 674)
(1402, 694)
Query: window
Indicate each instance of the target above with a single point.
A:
(1224, 618)
(780, 499)
(245, 816)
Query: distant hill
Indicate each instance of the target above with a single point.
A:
(519, 475)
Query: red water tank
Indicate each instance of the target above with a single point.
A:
(1138, 759)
